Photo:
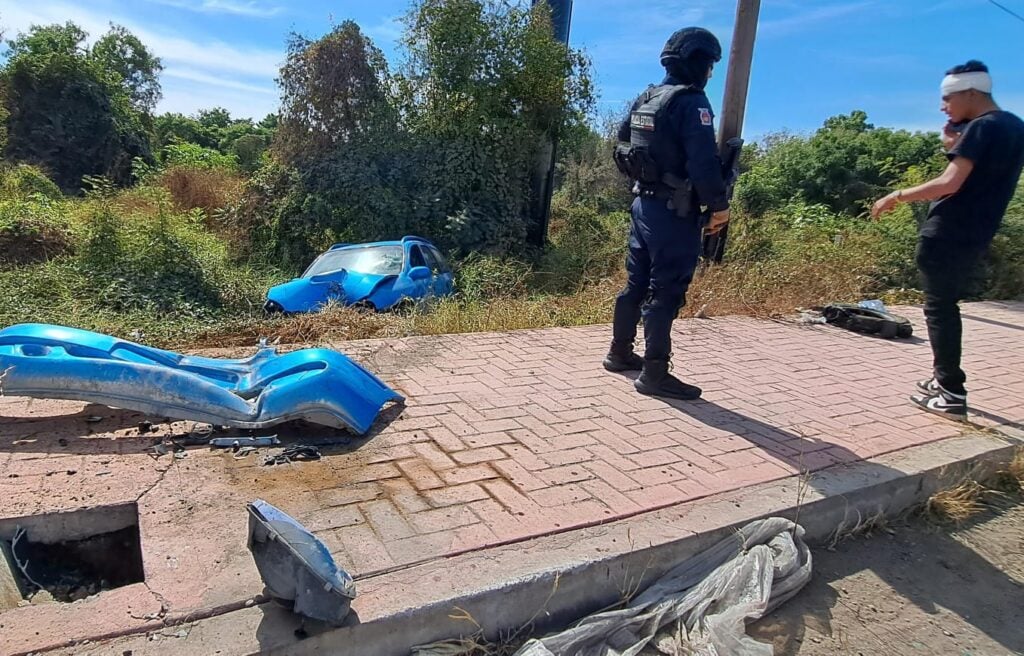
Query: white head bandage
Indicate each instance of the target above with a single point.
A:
(955, 82)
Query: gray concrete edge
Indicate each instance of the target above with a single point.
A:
(553, 580)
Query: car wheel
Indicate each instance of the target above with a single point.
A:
(364, 306)
(273, 307)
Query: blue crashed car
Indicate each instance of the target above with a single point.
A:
(378, 276)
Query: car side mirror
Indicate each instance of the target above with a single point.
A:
(419, 273)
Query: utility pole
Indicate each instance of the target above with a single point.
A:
(542, 177)
(734, 102)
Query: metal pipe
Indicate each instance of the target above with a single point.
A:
(734, 102)
(543, 176)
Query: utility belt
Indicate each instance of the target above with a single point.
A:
(659, 191)
(677, 191)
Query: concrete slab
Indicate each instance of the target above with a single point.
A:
(507, 440)
(550, 580)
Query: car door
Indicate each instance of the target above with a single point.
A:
(444, 281)
(424, 286)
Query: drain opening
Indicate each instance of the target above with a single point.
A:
(68, 556)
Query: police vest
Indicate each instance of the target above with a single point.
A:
(652, 152)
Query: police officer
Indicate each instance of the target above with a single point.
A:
(669, 150)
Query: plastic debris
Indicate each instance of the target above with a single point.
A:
(702, 605)
(297, 568)
(239, 442)
(300, 452)
(875, 304)
(244, 452)
(812, 318)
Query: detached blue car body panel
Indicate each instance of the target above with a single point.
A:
(318, 385)
(379, 275)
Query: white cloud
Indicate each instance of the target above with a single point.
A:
(189, 99)
(213, 55)
(172, 49)
(226, 72)
(388, 30)
(212, 80)
(807, 19)
(235, 7)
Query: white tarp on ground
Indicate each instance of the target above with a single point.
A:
(701, 606)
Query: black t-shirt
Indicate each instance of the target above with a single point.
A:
(994, 142)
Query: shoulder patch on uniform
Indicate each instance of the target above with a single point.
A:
(705, 116)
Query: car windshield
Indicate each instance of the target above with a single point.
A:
(375, 260)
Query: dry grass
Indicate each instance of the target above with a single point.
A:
(1016, 467)
(725, 290)
(863, 526)
(333, 323)
(1010, 480)
(446, 316)
(958, 503)
(477, 644)
(205, 189)
(39, 244)
(773, 289)
(961, 502)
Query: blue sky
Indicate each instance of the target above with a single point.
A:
(813, 58)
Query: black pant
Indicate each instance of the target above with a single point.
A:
(946, 268)
(663, 253)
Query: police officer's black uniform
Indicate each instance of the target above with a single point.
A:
(672, 154)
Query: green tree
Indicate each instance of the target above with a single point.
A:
(121, 52)
(332, 92)
(444, 148)
(215, 129)
(174, 128)
(844, 165)
(215, 118)
(66, 112)
(484, 85)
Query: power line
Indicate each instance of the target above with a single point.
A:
(1008, 10)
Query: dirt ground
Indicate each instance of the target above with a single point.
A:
(920, 590)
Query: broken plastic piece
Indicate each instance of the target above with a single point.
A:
(296, 567)
(238, 442)
(298, 452)
(318, 385)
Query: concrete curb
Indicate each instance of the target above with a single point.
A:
(551, 581)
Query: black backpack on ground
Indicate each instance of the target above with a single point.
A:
(865, 320)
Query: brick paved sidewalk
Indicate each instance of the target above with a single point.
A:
(514, 435)
(506, 437)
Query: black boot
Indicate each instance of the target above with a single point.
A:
(622, 358)
(655, 380)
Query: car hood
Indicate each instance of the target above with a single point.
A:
(297, 294)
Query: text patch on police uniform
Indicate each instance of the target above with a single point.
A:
(642, 120)
(705, 116)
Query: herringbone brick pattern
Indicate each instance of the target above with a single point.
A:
(508, 436)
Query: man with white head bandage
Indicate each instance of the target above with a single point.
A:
(970, 198)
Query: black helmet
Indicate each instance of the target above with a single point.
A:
(687, 41)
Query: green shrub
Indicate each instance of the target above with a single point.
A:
(585, 246)
(33, 229)
(1004, 273)
(24, 180)
(190, 155)
(162, 263)
(482, 277)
